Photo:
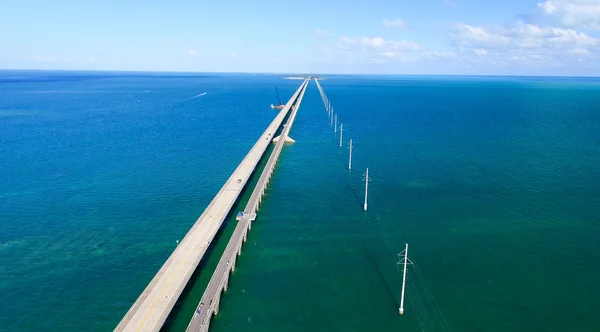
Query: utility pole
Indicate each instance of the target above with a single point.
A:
(366, 179)
(404, 261)
(335, 124)
(341, 133)
(350, 160)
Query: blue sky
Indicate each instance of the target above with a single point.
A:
(510, 37)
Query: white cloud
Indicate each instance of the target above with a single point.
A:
(436, 55)
(376, 42)
(476, 37)
(347, 41)
(321, 33)
(374, 50)
(380, 43)
(395, 23)
(522, 44)
(574, 13)
(481, 51)
(388, 54)
(579, 51)
(193, 53)
(547, 7)
(521, 36)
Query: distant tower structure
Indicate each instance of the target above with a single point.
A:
(350, 160)
(341, 133)
(404, 260)
(335, 124)
(366, 179)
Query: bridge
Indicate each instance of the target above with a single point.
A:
(153, 306)
(209, 304)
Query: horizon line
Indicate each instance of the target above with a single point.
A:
(284, 73)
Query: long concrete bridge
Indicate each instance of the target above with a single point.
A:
(209, 304)
(153, 306)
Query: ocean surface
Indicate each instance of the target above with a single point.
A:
(493, 181)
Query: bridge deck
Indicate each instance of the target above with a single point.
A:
(209, 303)
(152, 307)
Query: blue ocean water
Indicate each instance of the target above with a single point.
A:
(492, 180)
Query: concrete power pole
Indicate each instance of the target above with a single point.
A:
(350, 160)
(335, 124)
(404, 260)
(366, 179)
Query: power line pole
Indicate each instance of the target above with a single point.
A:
(366, 179)
(341, 133)
(335, 124)
(404, 261)
(350, 160)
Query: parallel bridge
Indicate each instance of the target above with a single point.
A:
(153, 306)
(209, 304)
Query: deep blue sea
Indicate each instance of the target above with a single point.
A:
(493, 181)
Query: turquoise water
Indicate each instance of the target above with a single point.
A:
(493, 181)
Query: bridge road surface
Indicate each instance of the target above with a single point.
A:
(211, 298)
(152, 307)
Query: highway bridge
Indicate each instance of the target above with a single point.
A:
(153, 306)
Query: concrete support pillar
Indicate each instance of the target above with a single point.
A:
(245, 235)
(226, 282)
(216, 304)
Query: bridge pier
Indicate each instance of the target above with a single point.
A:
(216, 304)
